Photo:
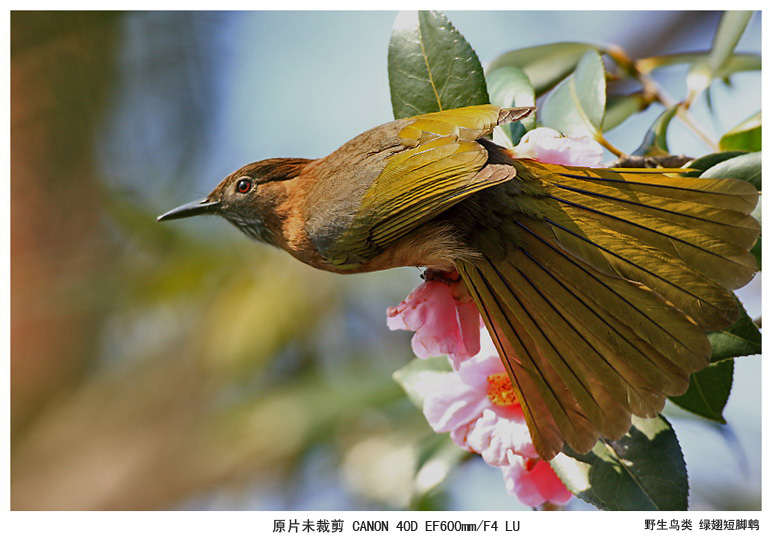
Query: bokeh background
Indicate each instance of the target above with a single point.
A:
(181, 366)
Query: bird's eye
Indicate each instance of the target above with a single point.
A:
(243, 185)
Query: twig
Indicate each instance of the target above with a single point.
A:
(653, 89)
(610, 146)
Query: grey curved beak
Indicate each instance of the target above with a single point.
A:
(191, 209)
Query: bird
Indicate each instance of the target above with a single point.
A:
(598, 285)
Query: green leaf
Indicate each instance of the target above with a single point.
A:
(699, 165)
(739, 63)
(544, 65)
(655, 141)
(697, 80)
(756, 251)
(705, 69)
(746, 167)
(736, 63)
(741, 339)
(708, 391)
(643, 471)
(619, 108)
(417, 374)
(437, 457)
(431, 66)
(510, 87)
(737, 165)
(744, 137)
(576, 106)
(730, 29)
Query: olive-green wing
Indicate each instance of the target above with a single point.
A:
(441, 165)
(600, 300)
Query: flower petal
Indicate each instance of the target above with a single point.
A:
(469, 323)
(534, 482)
(548, 145)
(460, 433)
(452, 403)
(444, 321)
(495, 436)
(475, 371)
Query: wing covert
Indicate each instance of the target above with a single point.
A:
(441, 165)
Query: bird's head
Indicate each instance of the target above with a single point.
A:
(251, 198)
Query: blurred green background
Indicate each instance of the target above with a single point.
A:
(181, 366)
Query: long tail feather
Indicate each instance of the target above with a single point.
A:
(599, 308)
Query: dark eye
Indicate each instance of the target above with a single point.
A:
(243, 185)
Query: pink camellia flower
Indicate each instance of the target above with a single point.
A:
(548, 145)
(534, 482)
(476, 403)
(478, 406)
(444, 318)
(440, 311)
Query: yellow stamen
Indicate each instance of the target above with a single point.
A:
(500, 389)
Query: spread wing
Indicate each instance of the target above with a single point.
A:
(442, 164)
(598, 290)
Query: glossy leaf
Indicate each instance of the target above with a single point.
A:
(708, 391)
(744, 137)
(436, 459)
(412, 377)
(739, 63)
(643, 471)
(743, 338)
(747, 167)
(510, 87)
(620, 108)
(730, 29)
(705, 69)
(699, 165)
(576, 106)
(431, 66)
(756, 249)
(655, 141)
(545, 65)
(756, 252)
(698, 80)
(700, 74)
(736, 63)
